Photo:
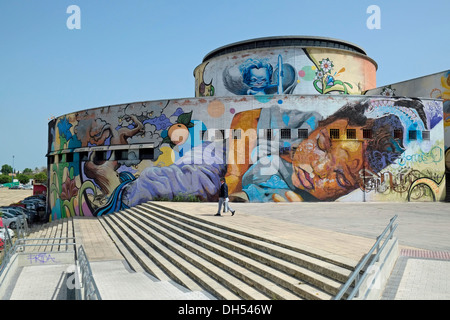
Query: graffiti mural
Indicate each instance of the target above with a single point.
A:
(280, 71)
(435, 86)
(295, 148)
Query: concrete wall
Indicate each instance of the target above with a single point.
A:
(304, 71)
(435, 86)
(174, 150)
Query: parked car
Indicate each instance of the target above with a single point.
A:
(31, 215)
(16, 211)
(3, 233)
(34, 203)
(11, 221)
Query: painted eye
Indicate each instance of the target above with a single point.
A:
(342, 180)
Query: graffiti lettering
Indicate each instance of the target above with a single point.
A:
(434, 156)
(406, 180)
(40, 258)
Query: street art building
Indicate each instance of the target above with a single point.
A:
(282, 119)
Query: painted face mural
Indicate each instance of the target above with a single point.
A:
(286, 150)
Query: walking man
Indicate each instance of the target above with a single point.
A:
(223, 198)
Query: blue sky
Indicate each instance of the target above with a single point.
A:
(139, 50)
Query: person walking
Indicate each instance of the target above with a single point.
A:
(223, 198)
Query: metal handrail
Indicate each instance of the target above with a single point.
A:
(355, 276)
(90, 290)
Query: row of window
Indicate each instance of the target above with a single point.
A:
(98, 156)
(304, 133)
(148, 153)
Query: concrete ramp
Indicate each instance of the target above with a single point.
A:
(116, 282)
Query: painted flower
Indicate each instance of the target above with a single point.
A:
(388, 92)
(326, 65)
(69, 189)
(319, 75)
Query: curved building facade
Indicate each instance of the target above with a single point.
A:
(285, 65)
(280, 120)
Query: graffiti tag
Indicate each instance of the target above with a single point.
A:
(40, 258)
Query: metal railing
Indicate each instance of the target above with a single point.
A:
(89, 288)
(358, 279)
(86, 289)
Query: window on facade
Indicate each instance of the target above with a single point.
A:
(100, 156)
(285, 133)
(220, 134)
(398, 134)
(426, 135)
(121, 154)
(367, 134)
(302, 133)
(334, 133)
(237, 134)
(412, 135)
(351, 133)
(146, 154)
(69, 157)
(84, 156)
(269, 134)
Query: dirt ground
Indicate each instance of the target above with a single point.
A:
(8, 196)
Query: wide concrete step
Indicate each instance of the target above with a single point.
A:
(55, 233)
(292, 285)
(229, 264)
(211, 258)
(293, 260)
(140, 243)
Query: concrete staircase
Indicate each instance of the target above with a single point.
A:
(228, 264)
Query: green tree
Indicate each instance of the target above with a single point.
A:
(4, 179)
(23, 179)
(27, 171)
(7, 169)
(40, 177)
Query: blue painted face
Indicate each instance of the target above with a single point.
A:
(259, 79)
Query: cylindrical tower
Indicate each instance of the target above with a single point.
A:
(285, 65)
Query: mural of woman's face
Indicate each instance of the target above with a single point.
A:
(328, 168)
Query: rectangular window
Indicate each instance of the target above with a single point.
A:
(412, 135)
(146, 154)
(351, 133)
(285, 133)
(334, 133)
(220, 135)
(84, 156)
(69, 157)
(367, 134)
(398, 134)
(237, 134)
(121, 154)
(269, 134)
(426, 135)
(302, 133)
(100, 156)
